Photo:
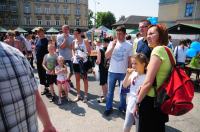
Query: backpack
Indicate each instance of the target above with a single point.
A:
(174, 96)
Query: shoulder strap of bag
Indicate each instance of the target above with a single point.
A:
(170, 56)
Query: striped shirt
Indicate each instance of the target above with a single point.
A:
(17, 89)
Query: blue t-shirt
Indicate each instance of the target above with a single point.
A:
(142, 47)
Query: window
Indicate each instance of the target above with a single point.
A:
(27, 21)
(66, 22)
(48, 22)
(58, 11)
(77, 1)
(13, 8)
(189, 9)
(65, 1)
(57, 22)
(38, 10)
(77, 11)
(77, 22)
(65, 11)
(47, 10)
(14, 21)
(2, 7)
(53, 11)
(27, 9)
(39, 22)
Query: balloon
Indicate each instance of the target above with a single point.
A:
(153, 20)
(191, 52)
(195, 45)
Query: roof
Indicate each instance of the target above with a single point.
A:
(184, 28)
(130, 22)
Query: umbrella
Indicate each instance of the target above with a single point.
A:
(3, 30)
(33, 30)
(52, 30)
(21, 30)
(103, 28)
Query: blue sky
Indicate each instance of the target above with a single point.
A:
(126, 7)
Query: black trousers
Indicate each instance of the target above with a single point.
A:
(41, 73)
(151, 119)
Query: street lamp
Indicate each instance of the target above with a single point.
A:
(95, 4)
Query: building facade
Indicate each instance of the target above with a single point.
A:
(172, 12)
(29, 14)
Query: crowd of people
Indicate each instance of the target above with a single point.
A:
(136, 66)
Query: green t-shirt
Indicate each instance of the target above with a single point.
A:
(165, 67)
(50, 61)
(195, 62)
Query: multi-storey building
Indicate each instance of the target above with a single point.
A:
(45, 13)
(179, 11)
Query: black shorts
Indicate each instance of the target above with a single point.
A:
(103, 76)
(70, 64)
(51, 79)
(76, 67)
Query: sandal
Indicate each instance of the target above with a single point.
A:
(78, 98)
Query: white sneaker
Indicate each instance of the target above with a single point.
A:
(85, 99)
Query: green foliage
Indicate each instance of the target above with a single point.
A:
(90, 17)
(106, 19)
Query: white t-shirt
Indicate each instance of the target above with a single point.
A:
(80, 51)
(181, 53)
(28, 45)
(61, 76)
(119, 57)
(136, 82)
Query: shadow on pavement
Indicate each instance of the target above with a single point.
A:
(171, 129)
(196, 86)
(73, 107)
(100, 107)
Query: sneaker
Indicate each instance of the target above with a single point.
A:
(59, 101)
(102, 99)
(108, 112)
(78, 98)
(52, 98)
(122, 111)
(46, 91)
(68, 99)
(85, 99)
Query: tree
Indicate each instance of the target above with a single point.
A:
(90, 17)
(106, 19)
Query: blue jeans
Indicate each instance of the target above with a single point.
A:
(112, 79)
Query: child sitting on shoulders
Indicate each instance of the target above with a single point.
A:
(62, 83)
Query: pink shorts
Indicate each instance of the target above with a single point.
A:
(62, 82)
